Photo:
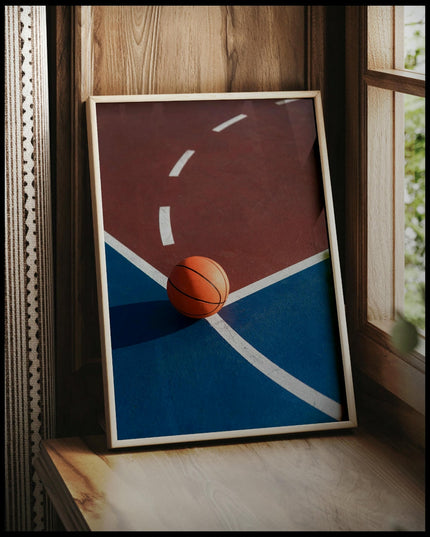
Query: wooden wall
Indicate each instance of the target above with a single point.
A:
(107, 50)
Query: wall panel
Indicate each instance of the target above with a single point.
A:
(188, 49)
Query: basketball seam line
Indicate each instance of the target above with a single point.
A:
(193, 297)
(226, 282)
(204, 277)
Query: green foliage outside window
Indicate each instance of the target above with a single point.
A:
(414, 306)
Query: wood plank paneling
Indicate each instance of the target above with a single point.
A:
(192, 49)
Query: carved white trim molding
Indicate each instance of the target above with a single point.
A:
(29, 330)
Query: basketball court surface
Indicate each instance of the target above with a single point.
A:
(239, 182)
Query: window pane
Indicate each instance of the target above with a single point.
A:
(414, 303)
(414, 38)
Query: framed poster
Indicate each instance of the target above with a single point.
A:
(242, 179)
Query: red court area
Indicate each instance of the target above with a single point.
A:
(249, 195)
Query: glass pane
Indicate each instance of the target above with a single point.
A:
(414, 38)
(414, 303)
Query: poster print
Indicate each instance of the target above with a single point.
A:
(243, 179)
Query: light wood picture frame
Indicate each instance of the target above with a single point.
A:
(241, 178)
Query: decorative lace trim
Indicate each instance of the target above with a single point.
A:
(29, 370)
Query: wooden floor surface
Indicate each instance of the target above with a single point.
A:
(347, 481)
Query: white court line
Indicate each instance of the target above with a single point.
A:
(136, 260)
(165, 226)
(177, 168)
(274, 372)
(286, 101)
(229, 122)
(276, 277)
(247, 351)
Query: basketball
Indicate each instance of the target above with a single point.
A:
(198, 287)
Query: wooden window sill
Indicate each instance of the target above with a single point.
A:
(330, 482)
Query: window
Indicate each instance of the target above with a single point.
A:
(385, 98)
(414, 173)
(414, 199)
(414, 38)
(395, 167)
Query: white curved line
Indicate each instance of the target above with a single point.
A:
(277, 277)
(229, 122)
(165, 226)
(274, 372)
(247, 351)
(136, 260)
(177, 168)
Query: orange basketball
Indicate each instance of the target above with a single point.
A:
(198, 287)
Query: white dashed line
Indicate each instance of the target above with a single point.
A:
(165, 226)
(286, 101)
(229, 122)
(177, 168)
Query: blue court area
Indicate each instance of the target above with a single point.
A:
(178, 376)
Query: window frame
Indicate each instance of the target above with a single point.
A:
(371, 350)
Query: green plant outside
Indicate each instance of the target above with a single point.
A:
(414, 303)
